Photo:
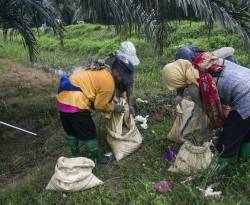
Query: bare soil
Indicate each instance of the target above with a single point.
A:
(26, 101)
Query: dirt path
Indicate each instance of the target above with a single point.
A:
(27, 101)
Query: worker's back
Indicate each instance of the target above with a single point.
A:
(97, 87)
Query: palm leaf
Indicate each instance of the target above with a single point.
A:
(22, 15)
(230, 14)
(127, 15)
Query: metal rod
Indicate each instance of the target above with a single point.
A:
(17, 128)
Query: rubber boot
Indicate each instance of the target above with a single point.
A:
(244, 152)
(214, 170)
(220, 163)
(94, 152)
(73, 144)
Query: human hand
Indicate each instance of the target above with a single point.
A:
(116, 100)
(131, 111)
(226, 110)
(178, 100)
(119, 108)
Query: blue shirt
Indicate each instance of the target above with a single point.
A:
(234, 88)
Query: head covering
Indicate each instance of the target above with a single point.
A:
(125, 67)
(179, 74)
(224, 52)
(205, 61)
(188, 53)
(127, 50)
(210, 97)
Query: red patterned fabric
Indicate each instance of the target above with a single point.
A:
(209, 93)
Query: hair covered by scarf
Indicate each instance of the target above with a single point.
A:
(206, 62)
(179, 74)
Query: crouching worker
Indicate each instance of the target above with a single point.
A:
(190, 53)
(91, 88)
(218, 82)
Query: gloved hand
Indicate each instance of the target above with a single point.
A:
(131, 111)
(178, 100)
(119, 108)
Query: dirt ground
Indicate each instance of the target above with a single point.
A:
(27, 101)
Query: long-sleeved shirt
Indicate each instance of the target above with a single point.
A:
(97, 89)
(234, 88)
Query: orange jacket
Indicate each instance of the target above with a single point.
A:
(97, 89)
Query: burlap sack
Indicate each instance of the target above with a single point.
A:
(73, 174)
(190, 118)
(123, 136)
(192, 159)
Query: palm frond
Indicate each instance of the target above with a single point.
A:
(126, 16)
(66, 10)
(230, 14)
(22, 15)
(137, 15)
(149, 19)
(234, 16)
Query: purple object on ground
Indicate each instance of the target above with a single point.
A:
(163, 186)
(170, 154)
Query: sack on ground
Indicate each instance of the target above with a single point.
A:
(73, 174)
(123, 136)
(192, 159)
(190, 118)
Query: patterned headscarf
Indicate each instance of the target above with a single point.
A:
(207, 64)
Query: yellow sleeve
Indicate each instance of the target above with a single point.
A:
(103, 101)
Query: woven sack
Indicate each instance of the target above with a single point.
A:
(192, 159)
(123, 136)
(73, 174)
(190, 118)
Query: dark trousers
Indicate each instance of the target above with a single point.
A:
(79, 125)
(235, 132)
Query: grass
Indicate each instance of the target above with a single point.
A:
(85, 40)
(129, 181)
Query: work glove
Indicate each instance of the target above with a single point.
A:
(131, 111)
(119, 108)
(178, 100)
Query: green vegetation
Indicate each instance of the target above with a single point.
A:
(131, 180)
(82, 42)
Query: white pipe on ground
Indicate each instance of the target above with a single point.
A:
(17, 128)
